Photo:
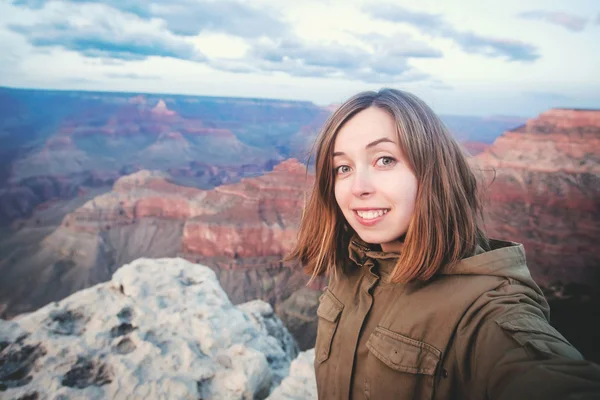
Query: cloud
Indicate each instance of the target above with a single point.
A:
(298, 58)
(130, 75)
(400, 45)
(549, 96)
(223, 16)
(568, 21)
(334, 56)
(79, 80)
(423, 21)
(436, 84)
(137, 29)
(34, 4)
(470, 42)
(99, 32)
(191, 17)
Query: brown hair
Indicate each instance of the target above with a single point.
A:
(446, 224)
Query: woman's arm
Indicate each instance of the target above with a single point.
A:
(507, 350)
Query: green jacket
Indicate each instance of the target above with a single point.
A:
(477, 331)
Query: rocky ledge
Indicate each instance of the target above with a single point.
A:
(159, 329)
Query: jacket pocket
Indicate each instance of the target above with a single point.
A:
(536, 334)
(328, 312)
(402, 353)
(400, 367)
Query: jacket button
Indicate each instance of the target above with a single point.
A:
(444, 372)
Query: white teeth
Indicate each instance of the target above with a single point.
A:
(371, 214)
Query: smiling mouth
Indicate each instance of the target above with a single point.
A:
(371, 214)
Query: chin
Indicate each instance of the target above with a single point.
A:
(374, 238)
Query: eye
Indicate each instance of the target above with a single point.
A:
(342, 169)
(386, 161)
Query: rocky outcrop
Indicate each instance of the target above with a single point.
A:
(159, 329)
(300, 384)
(545, 191)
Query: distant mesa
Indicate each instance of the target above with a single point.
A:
(141, 99)
(332, 107)
(172, 135)
(564, 120)
(291, 165)
(557, 140)
(162, 109)
(62, 142)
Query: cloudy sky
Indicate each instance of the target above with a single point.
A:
(473, 57)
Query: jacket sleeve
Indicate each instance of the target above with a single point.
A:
(506, 349)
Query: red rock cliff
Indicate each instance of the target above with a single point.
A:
(256, 217)
(546, 193)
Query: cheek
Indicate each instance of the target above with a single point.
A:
(338, 191)
(404, 190)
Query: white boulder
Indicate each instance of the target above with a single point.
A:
(160, 329)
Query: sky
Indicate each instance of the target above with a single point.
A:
(464, 57)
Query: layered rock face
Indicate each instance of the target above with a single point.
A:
(255, 218)
(546, 193)
(159, 329)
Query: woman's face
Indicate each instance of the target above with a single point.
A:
(374, 187)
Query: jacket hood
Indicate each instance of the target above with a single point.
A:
(504, 259)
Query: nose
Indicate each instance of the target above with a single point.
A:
(362, 184)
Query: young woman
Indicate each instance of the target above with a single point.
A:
(420, 304)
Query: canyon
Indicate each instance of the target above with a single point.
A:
(222, 182)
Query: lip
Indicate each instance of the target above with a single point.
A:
(368, 222)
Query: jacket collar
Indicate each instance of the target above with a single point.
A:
(369, 256)
(504, 259)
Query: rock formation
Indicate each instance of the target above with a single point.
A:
(300, 384)
(546, 193)
(254, 218)
(159, 329)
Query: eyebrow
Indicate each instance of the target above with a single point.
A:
(372, 144)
